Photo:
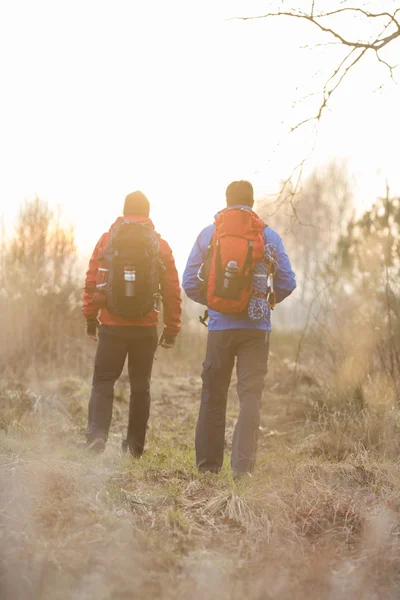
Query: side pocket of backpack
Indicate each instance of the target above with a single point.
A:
(100, 295)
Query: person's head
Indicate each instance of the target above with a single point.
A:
(240, 192)
(136, 204)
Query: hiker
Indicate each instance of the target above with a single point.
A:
(132, 271)
(229, 260)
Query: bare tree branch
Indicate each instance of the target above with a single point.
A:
(377, 44)
(328, 93)
(390, 67)
(343, 68)
(368, 14)
(358, 48)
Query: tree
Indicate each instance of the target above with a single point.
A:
(368, 259)
(38, 288)
(312, 228)
(42, 251)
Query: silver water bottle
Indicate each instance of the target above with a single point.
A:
(130, 279)
(231, 271)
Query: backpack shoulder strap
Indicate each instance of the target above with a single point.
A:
(115, 228)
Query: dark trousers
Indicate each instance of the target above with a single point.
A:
(250, 347)
(115, 344)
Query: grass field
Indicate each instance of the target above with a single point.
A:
(319, 518)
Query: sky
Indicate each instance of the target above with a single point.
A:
(176, 99)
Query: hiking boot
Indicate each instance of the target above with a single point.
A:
(96, 446)
(212, 470)
(241, 476)
(127, 447)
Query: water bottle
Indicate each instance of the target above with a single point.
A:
(129, 278)
(231, 272)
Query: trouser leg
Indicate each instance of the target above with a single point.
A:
(216, 376)
(108, 365)
(140, 362)
(252, 365)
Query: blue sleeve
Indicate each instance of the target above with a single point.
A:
(190, 282)
(285, 278)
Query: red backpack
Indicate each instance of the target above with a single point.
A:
(237, 245)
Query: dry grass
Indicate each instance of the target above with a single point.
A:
(318, 519)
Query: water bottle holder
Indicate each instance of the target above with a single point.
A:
(130, 289)
(157, 298)
(233, 291)
(100, 294)
(101, 278)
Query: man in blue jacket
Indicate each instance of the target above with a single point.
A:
(233, 336)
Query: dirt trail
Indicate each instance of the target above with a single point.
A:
(83, 527)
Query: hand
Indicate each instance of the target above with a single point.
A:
(166, 341)
(92, 326)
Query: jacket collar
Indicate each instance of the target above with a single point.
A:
(235, 206)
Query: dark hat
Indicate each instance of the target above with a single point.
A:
(136, 204)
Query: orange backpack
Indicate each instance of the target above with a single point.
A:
(237, 245)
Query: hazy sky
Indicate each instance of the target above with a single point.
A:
(101, 98)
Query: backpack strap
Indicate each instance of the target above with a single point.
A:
(248, 263)
(203, 320)
(249, 258)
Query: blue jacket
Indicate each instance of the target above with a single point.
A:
(284, 282)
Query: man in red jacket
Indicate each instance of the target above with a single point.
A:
(119, 336)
